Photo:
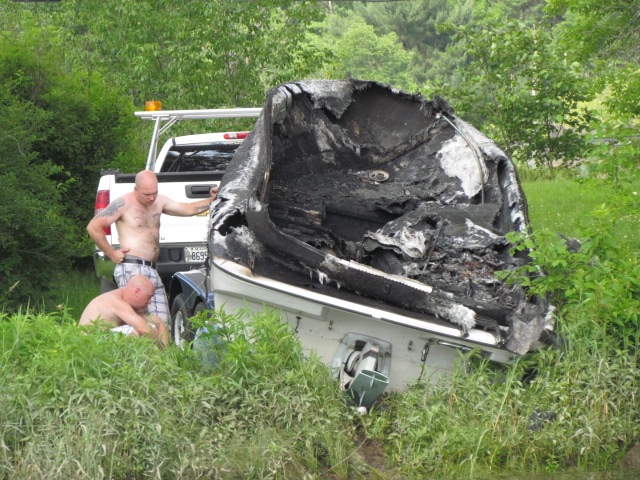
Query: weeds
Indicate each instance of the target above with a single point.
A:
(595, 283)
(100, 405)
(564, 419)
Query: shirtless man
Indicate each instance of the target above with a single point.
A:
(137, 218)
(123, 310)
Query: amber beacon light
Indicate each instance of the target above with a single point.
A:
(153, 106)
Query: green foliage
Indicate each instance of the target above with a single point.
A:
(356, 51)
(623, 90)
(90, 127)
(58, 129)
(416, 23)
(92, 404)
(80, 287)
(603, 35)
(34, 234)
(518, 91)
(614, 153)
(215, 54)
(571, 414)
(598, 28)
(99, 405)
(596, 284)
(420, 27)
(33, 231)
(417, 26)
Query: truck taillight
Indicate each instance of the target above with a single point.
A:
(235, 135)
(102, 201)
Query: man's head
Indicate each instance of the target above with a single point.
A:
(146, 187)
(138, 292)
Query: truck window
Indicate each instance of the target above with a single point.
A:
(200, 158)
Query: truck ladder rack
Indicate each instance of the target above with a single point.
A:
(170, 117)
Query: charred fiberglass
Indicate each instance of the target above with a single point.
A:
(365, 193)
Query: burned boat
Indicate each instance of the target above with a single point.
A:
(375, 221)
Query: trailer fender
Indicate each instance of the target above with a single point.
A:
(192, 286)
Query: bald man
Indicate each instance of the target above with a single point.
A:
(123, 311)
(137, 218)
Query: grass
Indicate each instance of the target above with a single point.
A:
(98, 405)
(565, 206)
(81, 287)
(478, 426)
(561, 205)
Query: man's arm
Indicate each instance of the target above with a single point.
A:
(180, 209)
(128, 315)
(102, 220)
(163, 333)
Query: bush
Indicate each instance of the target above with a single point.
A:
(594, 280)
(59, 128)
(520, 92)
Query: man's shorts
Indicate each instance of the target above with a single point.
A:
(127, 330)
(159, 304)
(124, 329)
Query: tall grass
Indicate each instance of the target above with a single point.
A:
(81, 287)
(98, 405)
(72, 296)
(90, 404)
(579, 413)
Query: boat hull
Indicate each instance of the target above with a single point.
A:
(414, 349)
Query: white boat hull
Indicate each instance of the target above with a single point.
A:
(419, 350)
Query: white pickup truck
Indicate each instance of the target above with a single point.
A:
(187, 167)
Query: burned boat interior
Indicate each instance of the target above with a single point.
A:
(357, 186)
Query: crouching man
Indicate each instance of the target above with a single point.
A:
(123, 311)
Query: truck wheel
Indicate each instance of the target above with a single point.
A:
(106, 285)
(181, 329)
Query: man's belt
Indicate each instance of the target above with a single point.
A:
(139, 261)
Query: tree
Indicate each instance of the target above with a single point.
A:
(520, 92)
(604, 29)
(425, 27)
(604, 34)
(33, 233)
(192, 54)
(358, 52)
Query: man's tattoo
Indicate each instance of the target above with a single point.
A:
(112, 208)
(202, 208)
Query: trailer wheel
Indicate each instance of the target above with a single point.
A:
(181, 329)
(199, 308)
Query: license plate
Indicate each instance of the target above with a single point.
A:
(195, 254)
